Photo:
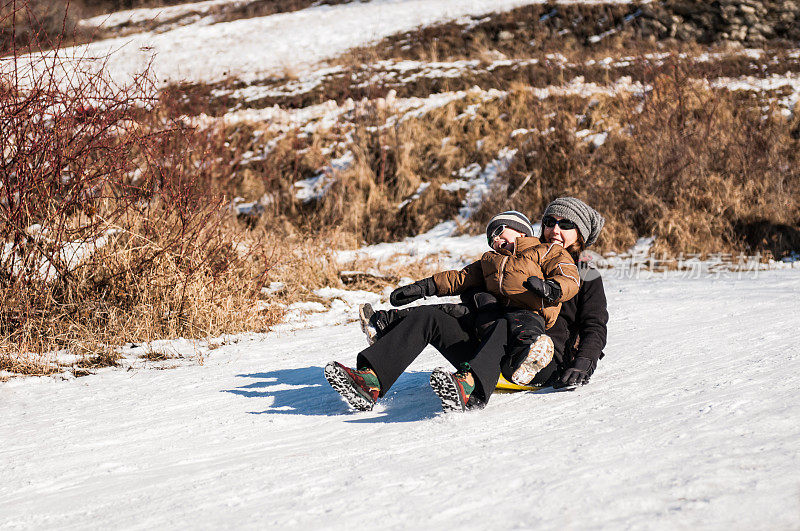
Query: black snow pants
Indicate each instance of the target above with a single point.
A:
(486, 331)
(452, 336)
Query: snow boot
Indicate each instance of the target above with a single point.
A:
(365, 318)
(539, 355)
(452, 388)
(359, 388)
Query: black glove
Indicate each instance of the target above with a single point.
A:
(406, 294)
(578, 374)
(485, 301)
(549, 290)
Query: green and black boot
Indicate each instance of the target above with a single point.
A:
(453, 388)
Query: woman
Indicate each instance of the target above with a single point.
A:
(579, 333)
(477, 346)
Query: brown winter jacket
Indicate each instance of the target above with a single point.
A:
(502, 274)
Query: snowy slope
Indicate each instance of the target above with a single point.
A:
(145, 14)
(249, 49)
(691, 421)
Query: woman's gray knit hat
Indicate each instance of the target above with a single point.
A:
(512, 219)
(588, 220)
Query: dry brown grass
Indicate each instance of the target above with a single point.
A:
(704, 170)
(697, 167)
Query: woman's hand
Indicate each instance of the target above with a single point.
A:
(407, 294)
(578, 374)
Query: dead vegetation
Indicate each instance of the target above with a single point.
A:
(689, 163)
(133, 220)
(116, 228)
(693, 166)
(37, 23)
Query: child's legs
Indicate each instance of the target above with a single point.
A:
(516, 355)
(391, 355)
(524, 326)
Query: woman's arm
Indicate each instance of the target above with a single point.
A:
(591, 318)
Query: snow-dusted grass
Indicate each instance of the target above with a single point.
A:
(689, 422)
(402, 73)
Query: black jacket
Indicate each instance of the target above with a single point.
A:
(580, 330)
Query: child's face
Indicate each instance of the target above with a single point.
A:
(506, 239)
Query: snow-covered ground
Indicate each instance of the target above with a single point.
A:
(691, 421)
(139, 15)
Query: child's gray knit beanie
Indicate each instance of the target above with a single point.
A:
(588, 220)
(512, 219)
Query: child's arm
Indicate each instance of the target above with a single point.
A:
(454, 282)
(557, 265)
(444, 283)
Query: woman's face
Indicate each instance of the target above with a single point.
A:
(556, 234)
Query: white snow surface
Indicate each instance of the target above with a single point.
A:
(691, 421)
(249, 49)
(144, 14)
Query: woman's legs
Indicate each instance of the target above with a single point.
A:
(377, 323)
(391, 355)
(485, 363)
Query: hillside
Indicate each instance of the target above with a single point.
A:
(186, 247)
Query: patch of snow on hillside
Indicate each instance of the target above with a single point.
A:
(295, 87)
(775, 81)
(140, 15)
(596, 139)
(326, 115)
(315, 188)
(250, 49)
(421, 188)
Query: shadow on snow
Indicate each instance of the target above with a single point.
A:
(304, 391)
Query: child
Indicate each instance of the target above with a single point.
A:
(542, 268)
(509, 303)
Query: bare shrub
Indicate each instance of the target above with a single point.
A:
(110, 225)
(32, 24)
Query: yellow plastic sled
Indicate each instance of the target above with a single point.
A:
(504, 386)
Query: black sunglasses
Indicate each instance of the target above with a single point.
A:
(563, 224)
(495, 233)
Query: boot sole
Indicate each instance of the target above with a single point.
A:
(445, 387)
(345, 386)
(539, 355)
(364, 322)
